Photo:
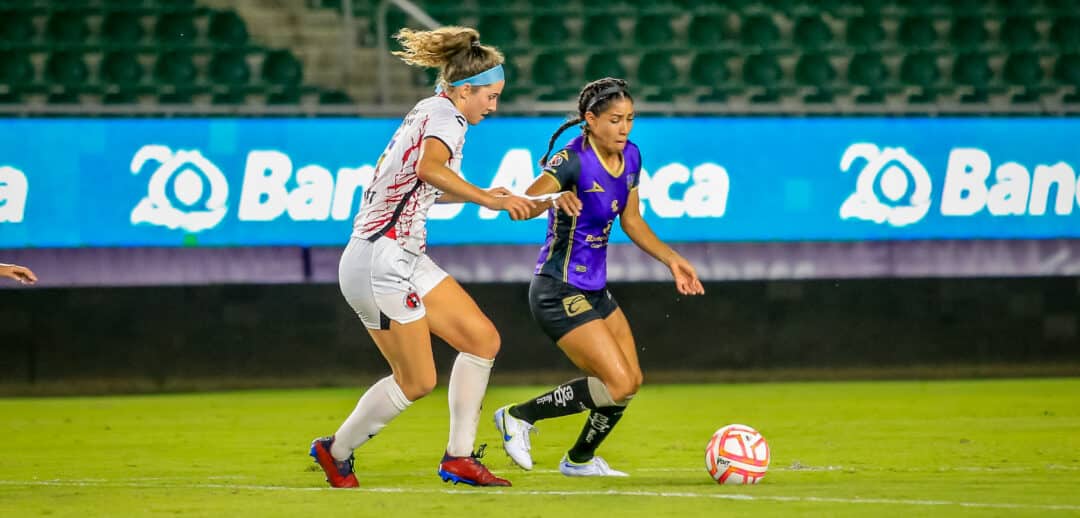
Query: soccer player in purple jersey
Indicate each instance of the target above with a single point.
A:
(588, 184)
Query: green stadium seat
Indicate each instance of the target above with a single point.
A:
(180, 96)
(763, 70)
(287, 96)
(66, 68)
(815, 71)
(334, 97)
(16, 75)
(656, 69)
(229, 96)
(176, 28)
(121, 69)
(1065, 33)
(920, 70)
(1019, 33)
(812, 33)
(968, 7)
(1068, 7)
(604, 64)
(869, 71)
(1023, 70)
(967, 33)
(16, 27)
(551, 69)
(865, 32)
(549, 30)
(497, 30)
(122, 28)
(227, 29)
(1067, 73)
(759, 31)
(175, 68)
(280, 67)
(706, 31)
(1015, 6)
(709, 69)
(121, 96)
(603, 30)
(973, 70)
(229, 68)
(66, 27)
(917, 32)
(65, 96)
(654, 30)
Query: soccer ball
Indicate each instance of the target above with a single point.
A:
(737, 454)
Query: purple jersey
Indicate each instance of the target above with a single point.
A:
(576, 247)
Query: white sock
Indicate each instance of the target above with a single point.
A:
(468, 382)
(377, 407)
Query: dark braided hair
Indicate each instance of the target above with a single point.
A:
(595, 98)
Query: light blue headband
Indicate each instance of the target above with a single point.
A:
(487, 77)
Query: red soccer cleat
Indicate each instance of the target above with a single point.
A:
(469, 470)
(339, 473)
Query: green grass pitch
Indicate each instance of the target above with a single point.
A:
(963, 448)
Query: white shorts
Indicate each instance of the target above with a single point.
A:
(384, 282)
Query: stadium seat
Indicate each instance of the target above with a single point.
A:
(16, 74)
(967, 7)
(709, 69)
(759, 31)
(815, 71)
(707, 31)
(176, 28)
(917, 32)
(1022, 70)
(121, 28)
(1067, 73)
(656, 69)
(602, 30)
(229, 68)
(227, 29)
(864, 32)
(549, 30)
(497, 30)
(763, 71)
(334, 97)
(66, 27)
(1065, 33)
(967, 33)
(280, 67)
(551, 69)
(654, 30)
(16, 27)
(972, 70)
(175, 68)
(286, 96)
(920, 70)
(121, 69)
(868, 71)
(812, 33)
(604, 64)
(1019, 33)
(66, 68)
(1014, 6)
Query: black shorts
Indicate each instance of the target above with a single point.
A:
(560, 307)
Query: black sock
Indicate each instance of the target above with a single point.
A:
(599, 425)
(569, 398)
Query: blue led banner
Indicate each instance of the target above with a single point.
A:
(220, 182)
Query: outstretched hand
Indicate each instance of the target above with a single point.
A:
(686, 279)
(19, 273)
(519, 208)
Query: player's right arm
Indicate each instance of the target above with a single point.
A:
(19, 273)
(432, 169)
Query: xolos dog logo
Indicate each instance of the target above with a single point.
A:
(186, 190)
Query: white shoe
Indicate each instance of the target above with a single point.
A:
(515, 434)
(597, 467)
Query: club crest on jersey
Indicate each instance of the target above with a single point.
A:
(596, 187)
(575, 305)
(412, 300)
(558, 159)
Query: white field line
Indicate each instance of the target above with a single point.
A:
(512, 492)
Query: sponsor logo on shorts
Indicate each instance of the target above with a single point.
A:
(575, 305)
(412, 300)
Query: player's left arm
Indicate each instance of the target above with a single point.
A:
(450, 198)
(686, 278)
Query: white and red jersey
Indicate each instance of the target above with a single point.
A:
(397, 201)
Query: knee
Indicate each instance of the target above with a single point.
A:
(624, 387)
(486, 341)
(416, 387)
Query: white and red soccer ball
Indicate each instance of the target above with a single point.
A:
(737, 454)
